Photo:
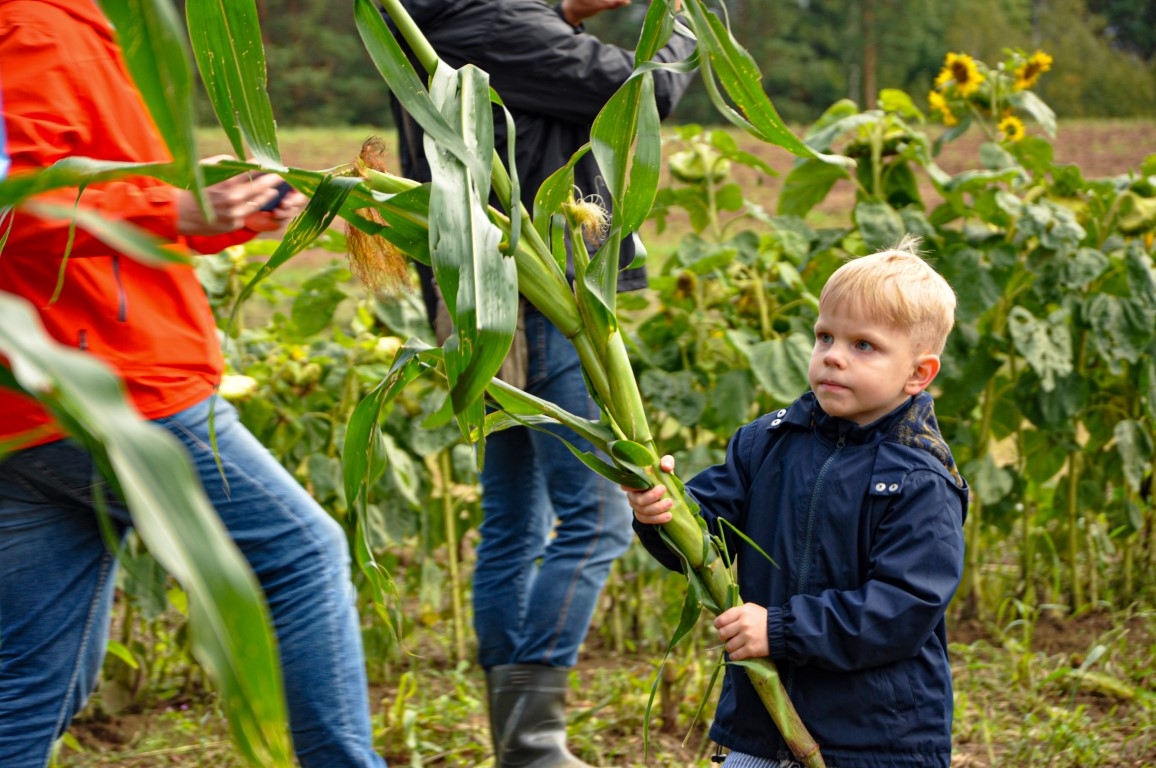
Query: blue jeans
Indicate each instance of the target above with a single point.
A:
(551, 527)
(57, 577)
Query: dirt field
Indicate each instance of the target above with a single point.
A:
(1098, 149)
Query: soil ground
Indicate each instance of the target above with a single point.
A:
(148, 737)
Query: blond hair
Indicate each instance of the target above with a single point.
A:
(897, 288)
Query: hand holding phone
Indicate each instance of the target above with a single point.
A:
(283, 189)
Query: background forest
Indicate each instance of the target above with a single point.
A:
(811, 52)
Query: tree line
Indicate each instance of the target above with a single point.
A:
(811, 53)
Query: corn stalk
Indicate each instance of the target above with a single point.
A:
(626, 143)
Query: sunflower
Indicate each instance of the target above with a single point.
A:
(1029, 72)
(939, 104)
(1012, 128)
(959, 68)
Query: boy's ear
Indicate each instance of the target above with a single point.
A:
(925, 370)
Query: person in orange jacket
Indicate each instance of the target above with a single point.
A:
(65, 92)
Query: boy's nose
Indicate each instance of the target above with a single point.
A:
(833, 358)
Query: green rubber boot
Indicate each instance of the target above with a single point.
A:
(528, 718)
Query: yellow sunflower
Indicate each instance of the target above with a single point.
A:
(1029, 72)
(939, 104)
(960, 69)
(1012, 128)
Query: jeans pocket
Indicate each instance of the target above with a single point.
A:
(60, 472)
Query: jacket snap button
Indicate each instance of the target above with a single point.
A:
(782, 413)
(776, 422)
(893, 487)
(880, 486)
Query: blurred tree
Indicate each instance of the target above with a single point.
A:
(811, 53)
(1089, 77)
(1131, 25)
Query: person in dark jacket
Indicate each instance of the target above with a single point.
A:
(853, 493)
(551, 528)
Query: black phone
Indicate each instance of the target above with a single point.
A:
(282, 189)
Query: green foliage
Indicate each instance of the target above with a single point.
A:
(1046, 388)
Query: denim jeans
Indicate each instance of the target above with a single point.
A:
(57, 577)
(551, 527)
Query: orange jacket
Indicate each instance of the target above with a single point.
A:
(66, 92)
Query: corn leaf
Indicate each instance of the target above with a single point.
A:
(479, 283)
(626, 135)
(555, 190)
(720, 56)
(226, 39)
(399, 75)
(406, 215)
(360, 453)
(514, 403)
(364, 458)
(323, 207)
(620, 473)
(77, 171)
(157, 56)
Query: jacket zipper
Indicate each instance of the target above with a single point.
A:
(122, 298)
(809, 535)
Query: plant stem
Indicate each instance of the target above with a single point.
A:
(1073, 510)
(688, 536)
(456, 586)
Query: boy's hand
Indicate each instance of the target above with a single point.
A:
(650, 508)
(743, 630)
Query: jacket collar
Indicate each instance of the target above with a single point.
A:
(912, 424)
(806, 413)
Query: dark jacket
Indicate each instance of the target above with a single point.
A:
(866, 527)
(553, 78)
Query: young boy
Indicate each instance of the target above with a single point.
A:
(853, 493)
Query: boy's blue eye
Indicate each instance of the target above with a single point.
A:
(824, 338)
(864, 346)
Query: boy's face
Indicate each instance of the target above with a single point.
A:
(861, 370)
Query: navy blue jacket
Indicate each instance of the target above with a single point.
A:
(866, 527)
